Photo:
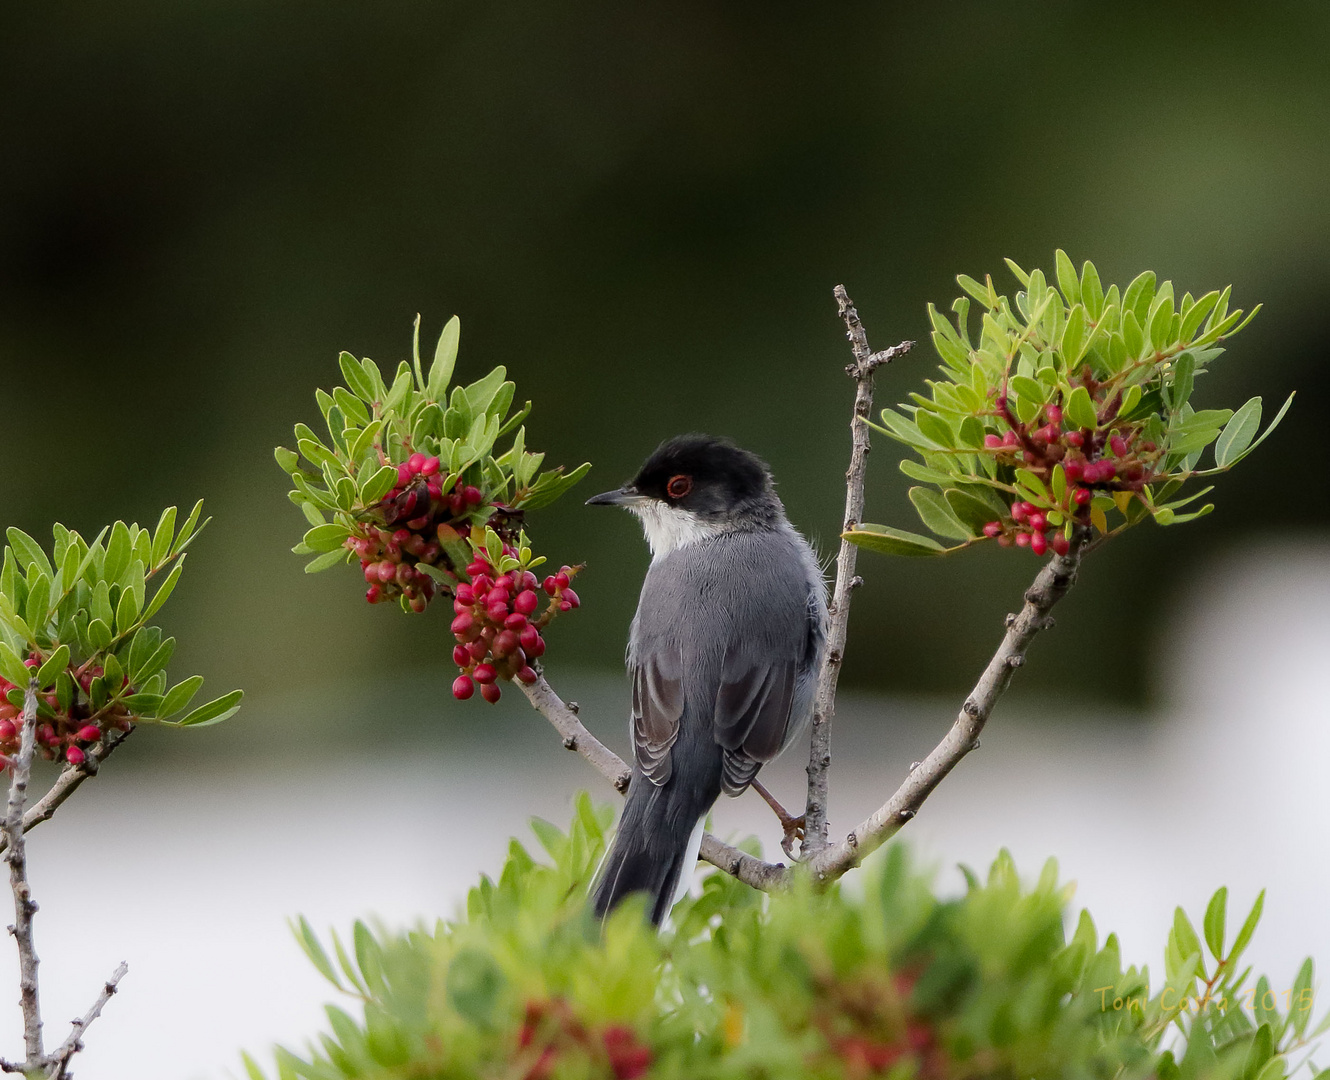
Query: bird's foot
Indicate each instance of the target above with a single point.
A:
(793, 826)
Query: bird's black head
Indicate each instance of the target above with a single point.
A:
(708, 478)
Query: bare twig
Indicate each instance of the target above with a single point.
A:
(865, 364)
(1049, 587)
(24, 906)
(751, 871)
(71, 776)
(59, 1061)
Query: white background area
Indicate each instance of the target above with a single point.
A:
(191, 873)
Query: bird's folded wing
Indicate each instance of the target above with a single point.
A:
(657, 707)
(752, 713)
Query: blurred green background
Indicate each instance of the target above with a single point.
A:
(641, 210)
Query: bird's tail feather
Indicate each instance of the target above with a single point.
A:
(654, 849)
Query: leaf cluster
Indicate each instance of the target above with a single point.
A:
(375, 424)
(1068, 400)
(893, 980)
(80, 619)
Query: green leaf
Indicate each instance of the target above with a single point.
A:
(935, 429)
(164, 591)
(156, 662)
(1238, 433)
(38, 605)
(126, 611)
(187, 530)
(1066, 275)
(1185, 933)
(1074, 340)
(445, 357)
(180, 695)
(1266, 433)
(328, 559)
(356, 380)
(1079, 409)
(1184, 379)
(12, 668)
(1300, 1001)
(309, 942)
(165, 533)
(214, 712)
(888, 541)
(1196, 314)
(51, 667)
(117, 553)
(99, 634)
(28, 551)
(936, 513)
(326, 537)
(1214, 922)
(970, 509)
(1092, 291)
(1244, 935)
(1138, 296)
(379, 485)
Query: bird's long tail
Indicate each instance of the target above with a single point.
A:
(655, 849)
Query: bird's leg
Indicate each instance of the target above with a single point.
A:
(793, 826)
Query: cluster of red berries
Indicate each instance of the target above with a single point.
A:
(418, 514)
(67, 735)
(1110, 460)
(496, 625)
(882, 1033)
(1030, 528)
(551, 1029)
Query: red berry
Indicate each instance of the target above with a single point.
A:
(31, 662)
(497, 596)
(387, 571)
(415, 463)
(571, 599)
(491, 692)
(561, 579)
(1061, 544)
(478, 650)
(89, 733)
(1051, 433)
(480, 585)
(1082, 496)
(528, 638)
(1022, 539)
(484, 673)
(472, 494)
(74, 755)
(564, 605)
(1010, 439)
(1090, 474)
(1075, 438)
(549, 586)
(992, 441)
(462, 624)
(456, 505)
(505, 643)
(504, 581)
(1107, 470)
(461, 655)
(497, 612)
(429, 466)
(404, 474)
(1020, 511)
(1054, 413)
(515, 621)
(1074, 470)
(1118, 445)
(993, 528)
(434, 490)
(8, 730)
(1004, 540)
(478, 566)
(527, 675)
(464, 594)
(419, 604)
(463, 687)
(536, 648)
(1038, 544)
(525, 602)
(1038, 523)
(372, 595)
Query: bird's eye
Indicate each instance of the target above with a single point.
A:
(679, 486)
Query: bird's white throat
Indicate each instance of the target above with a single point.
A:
(668, 528)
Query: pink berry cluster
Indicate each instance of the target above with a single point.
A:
(496, 626)
(1110, 457)
(418, 514)
(68, 734)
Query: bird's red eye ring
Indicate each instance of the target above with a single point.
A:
(679, 486)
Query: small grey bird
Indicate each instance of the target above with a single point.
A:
(724, 654)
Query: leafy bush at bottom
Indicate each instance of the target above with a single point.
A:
(884, 978)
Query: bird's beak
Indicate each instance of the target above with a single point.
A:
(624, 496)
